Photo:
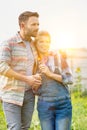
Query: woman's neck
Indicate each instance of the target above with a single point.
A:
(41, 56)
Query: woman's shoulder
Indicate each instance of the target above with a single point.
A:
(52, 53)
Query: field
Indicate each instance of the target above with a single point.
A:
(79, 121)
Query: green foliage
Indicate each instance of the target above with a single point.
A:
(79, 102)
(2, 119)
(77, 86)
(84, 93)
(79, 120)
(35, 122)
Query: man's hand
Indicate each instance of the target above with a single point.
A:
(34, 81)
(35, 87)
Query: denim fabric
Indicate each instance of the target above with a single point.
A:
(19, 117)
(54, 105)
(55, 115)
(52, 90)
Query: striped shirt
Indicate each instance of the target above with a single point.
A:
(13, 54)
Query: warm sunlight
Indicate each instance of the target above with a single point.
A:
(64, 40)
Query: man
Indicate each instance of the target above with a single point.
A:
(17, 59)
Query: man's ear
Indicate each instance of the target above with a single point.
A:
(22, 25)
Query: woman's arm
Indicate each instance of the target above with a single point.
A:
(64, 77)
(44, 69)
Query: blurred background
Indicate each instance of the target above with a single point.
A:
(66, 20)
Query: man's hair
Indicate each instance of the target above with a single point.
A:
(23, 17)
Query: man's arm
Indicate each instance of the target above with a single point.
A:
(30, 80)
(6, 70)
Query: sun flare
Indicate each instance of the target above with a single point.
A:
(64, 40)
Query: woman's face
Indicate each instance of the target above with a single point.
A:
(43, 44)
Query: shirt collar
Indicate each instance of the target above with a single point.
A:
(18, 38)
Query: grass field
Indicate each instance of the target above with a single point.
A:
(79, 121)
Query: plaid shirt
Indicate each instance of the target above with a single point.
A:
(13, 54)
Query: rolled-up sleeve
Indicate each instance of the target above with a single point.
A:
(5, 57)
(4, 67)
(67, 77)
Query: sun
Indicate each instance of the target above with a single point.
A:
(64, 40)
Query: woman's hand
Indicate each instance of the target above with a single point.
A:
(44, 69)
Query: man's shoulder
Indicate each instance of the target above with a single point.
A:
(15, 38)
(11, 41)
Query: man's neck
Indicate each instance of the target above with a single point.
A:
(25, 38)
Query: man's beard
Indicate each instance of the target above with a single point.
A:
(29, 35)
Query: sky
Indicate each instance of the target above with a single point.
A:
(65, 20)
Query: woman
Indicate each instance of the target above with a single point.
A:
(54, 103)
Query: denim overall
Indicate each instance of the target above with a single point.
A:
(54, 105)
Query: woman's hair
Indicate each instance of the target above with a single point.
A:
(39, 35)
(42, 33)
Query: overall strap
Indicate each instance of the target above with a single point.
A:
(57, 64)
